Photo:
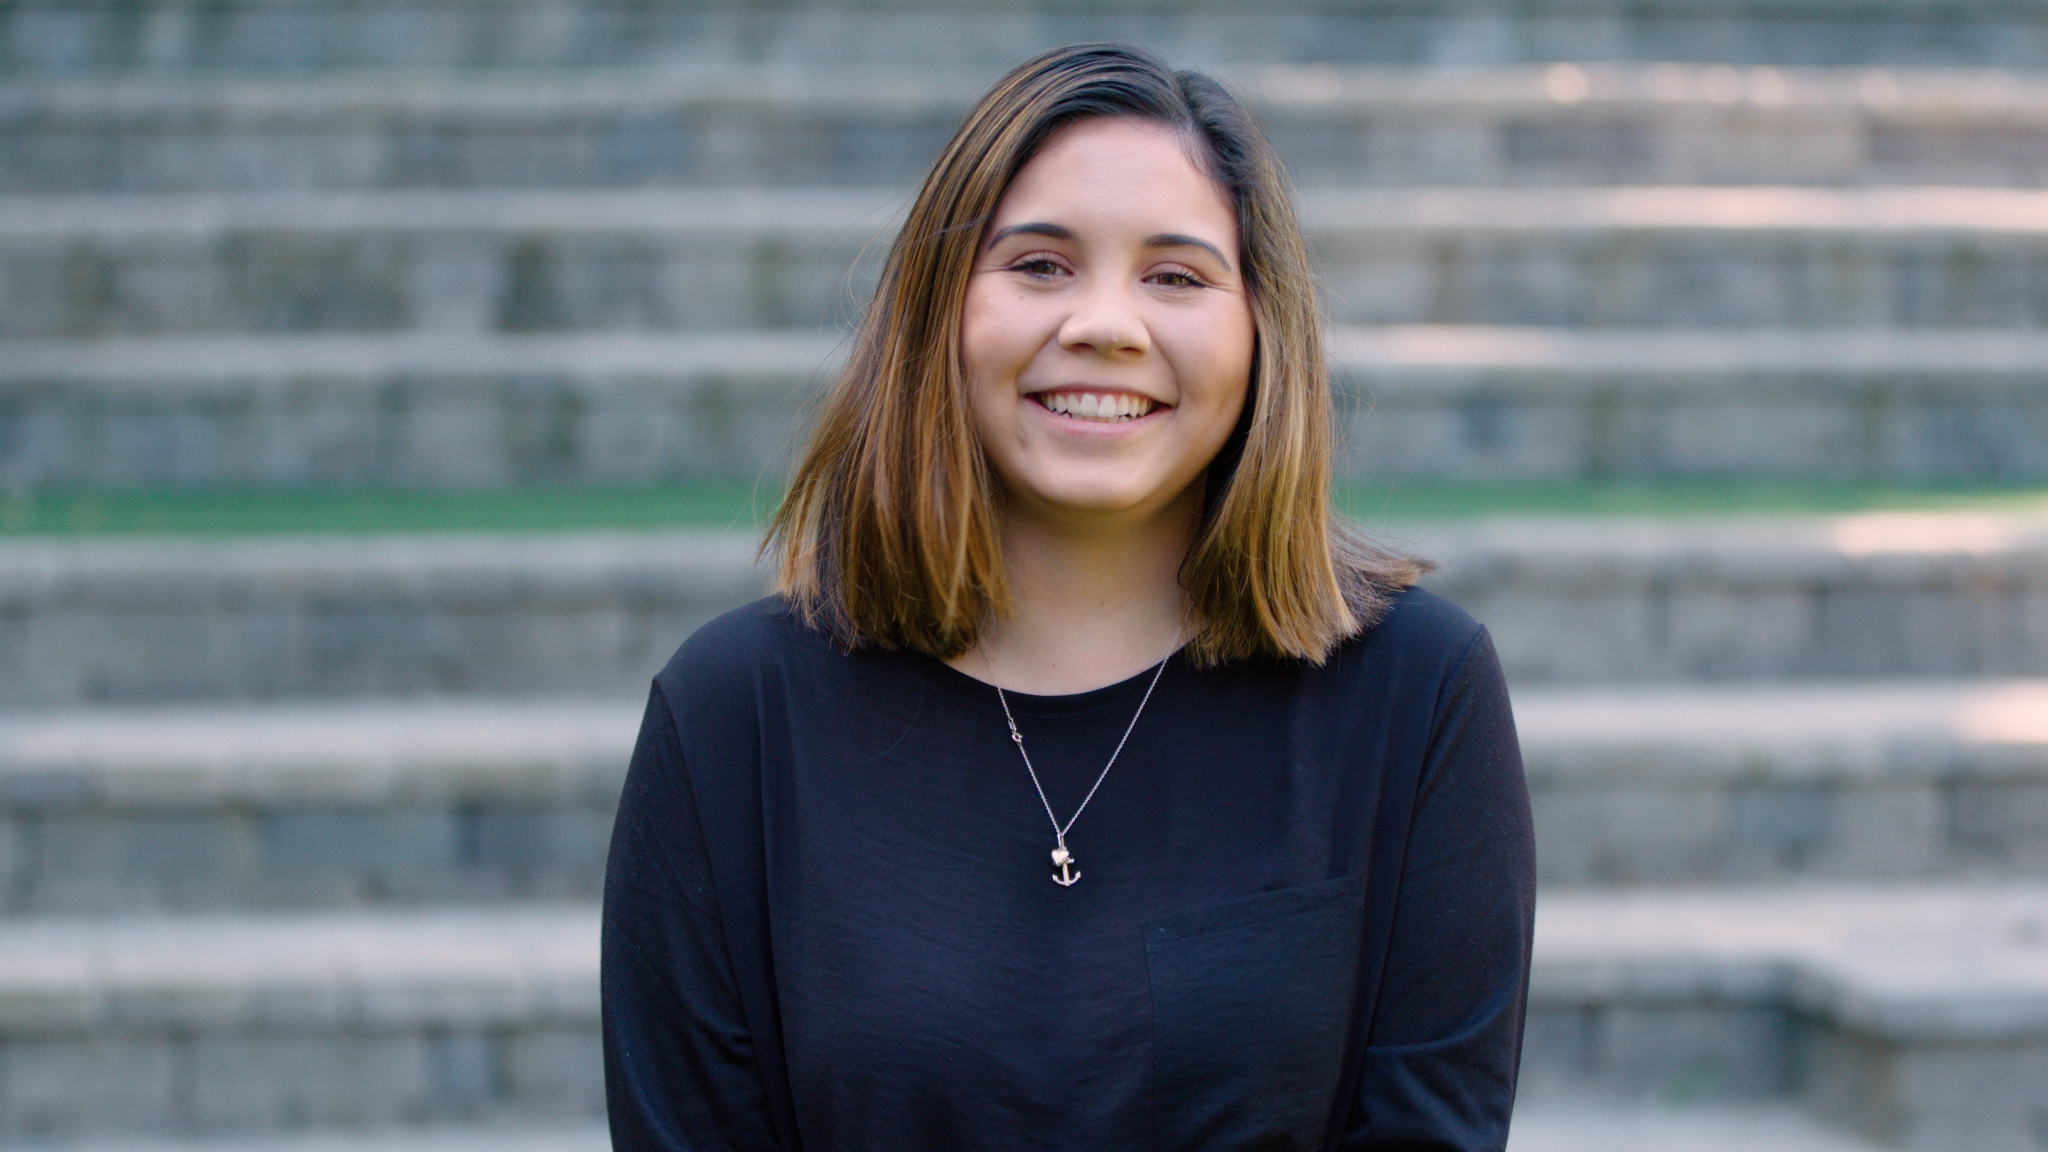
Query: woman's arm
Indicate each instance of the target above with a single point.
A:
(679, 1060)
(1440, 1063)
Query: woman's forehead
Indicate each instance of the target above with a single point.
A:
(1102, 170)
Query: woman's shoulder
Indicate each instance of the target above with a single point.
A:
(738, 645)
(1419, 644)
(761, 668)
(1420, 623)
(731, 668)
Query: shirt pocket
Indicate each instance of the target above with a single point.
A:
(1251, 1006)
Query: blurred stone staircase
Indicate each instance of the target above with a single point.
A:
(300, 838)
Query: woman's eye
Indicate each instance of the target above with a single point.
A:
(1037, 266)
(1175, 278)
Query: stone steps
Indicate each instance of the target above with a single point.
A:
(1545, 1127)
(1538, 1128)
(221, 1024)
(294, 617)
(68, 36)
(1916, 1014)
(1416, 403)
(361, 804)
(530, 1136)
(436, 261)
(1688, 600)
(302, 806)
(410, 409)
(1692, 784)
(763, 125)
(646, 259)
(1470, 402)
(141, 618)
(1912, 257)
(280, 820)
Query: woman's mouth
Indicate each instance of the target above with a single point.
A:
(1106, 407)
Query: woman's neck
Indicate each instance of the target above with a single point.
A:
(1091, 603)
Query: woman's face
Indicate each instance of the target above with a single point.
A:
(1107, 335)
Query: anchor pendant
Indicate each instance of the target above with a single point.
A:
(1064, 861)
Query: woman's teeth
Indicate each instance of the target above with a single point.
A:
(1097, 405)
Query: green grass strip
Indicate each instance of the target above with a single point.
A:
(1451, 501)
(256, 512)
(745, 506)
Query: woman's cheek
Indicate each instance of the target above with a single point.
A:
(998, 344)
(1213, 375)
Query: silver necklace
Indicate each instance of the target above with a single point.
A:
(1062, 859)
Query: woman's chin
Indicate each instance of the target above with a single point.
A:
(1114, 499)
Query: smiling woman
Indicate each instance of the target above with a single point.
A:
(1067, 514)
(1107, 359)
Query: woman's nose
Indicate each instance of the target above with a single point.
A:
(1105, 320)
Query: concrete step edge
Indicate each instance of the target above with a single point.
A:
(1844, 733)
(318, 971)
(854, 213)
(528, 1135)
(1538, 1127)
(494, 564)
(1867, 550)
(536, 750)
(152, 362)
(1395, 90)
(1398, 360)
(1906, 963)
(354, 753)
(826, 212)
(1567, 1127)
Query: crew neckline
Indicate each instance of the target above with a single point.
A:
(1121, 694)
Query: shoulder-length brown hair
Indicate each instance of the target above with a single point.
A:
(889, 533)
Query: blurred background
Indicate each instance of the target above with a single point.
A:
(388, 386)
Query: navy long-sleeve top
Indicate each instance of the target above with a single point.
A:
(1303, 919)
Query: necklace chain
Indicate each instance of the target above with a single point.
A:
(1059, 830)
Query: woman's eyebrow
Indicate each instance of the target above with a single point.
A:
(1176, 240)
(1034, 229)
(1057, 232)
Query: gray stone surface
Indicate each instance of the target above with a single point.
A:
(289, 1022)
(713, 124)
(1896, 594)
(340, 616)
(301, 806)
(1637, 996)
(1595, 600)
(1713, 257)
(1435, 402)
(1463, 402)
(525, 1135)
(445, 262)
(1916, 1015)
(1767, 781)
(206, 807)
(303, 35)
(409, 411)
(1707, 1128)
(1902, 963)
(1538, 1128)
(646, 259)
